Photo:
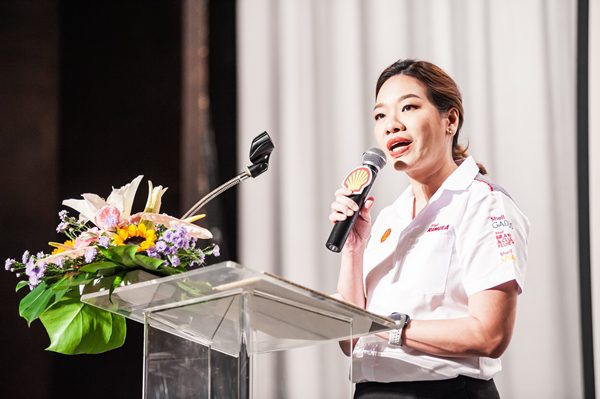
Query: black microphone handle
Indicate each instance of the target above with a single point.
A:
(341, 230)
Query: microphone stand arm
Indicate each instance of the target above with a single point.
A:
(217, 191)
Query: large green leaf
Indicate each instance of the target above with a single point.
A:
(122, 254)
(148, 262)
(78, 328)
(34, 303)
(99, 266)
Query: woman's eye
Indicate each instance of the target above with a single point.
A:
(379, 116)
(408, 107)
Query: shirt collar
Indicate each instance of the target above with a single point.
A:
(458, 180)
(462, 177)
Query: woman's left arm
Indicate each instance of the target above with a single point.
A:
(485, 332)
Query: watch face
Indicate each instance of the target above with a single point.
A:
(396, 316)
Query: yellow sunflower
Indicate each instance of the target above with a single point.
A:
(135, 234)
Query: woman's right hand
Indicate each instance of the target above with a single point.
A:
(342, 208)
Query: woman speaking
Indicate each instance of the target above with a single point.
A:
(446, 259)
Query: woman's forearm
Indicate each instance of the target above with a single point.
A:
(350, 281)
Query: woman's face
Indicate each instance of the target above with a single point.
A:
(409, 129)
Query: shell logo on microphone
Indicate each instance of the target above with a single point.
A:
(358, 178)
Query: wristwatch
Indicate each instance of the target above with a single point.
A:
(401, 320)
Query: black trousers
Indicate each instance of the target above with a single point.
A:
(456, 388)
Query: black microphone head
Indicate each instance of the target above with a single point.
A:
(375, 157)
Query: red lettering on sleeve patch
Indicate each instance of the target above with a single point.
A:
(504, 240)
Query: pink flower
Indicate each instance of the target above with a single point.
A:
(108, 217)
(87, 238)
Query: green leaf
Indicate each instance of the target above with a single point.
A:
(122, 254)
(118, 279)
(148, 262)
(71, 281)
(97, 266)
(21, 284)
(34, 303)
(78, 328)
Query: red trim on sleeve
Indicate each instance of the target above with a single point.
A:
(486, 183)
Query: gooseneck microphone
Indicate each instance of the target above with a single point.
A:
(359, 180)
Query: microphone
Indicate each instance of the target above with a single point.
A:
(260, 152)
(359, 180)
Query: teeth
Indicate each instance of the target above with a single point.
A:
(399, 144)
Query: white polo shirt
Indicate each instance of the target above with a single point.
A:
(470, 237)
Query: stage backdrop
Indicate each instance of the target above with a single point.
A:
(307, 71)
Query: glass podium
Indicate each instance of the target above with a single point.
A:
(195, 319)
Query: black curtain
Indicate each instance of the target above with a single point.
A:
(91, 96)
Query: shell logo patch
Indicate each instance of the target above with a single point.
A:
(358, 178)
(386, 234)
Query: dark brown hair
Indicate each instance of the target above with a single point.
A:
(442, 91)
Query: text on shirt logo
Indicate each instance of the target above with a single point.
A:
(500, 221)
(504, 240)
(437, 227)
(507, 256)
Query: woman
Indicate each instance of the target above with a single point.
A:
(450, 252)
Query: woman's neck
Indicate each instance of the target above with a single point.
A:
(425, 185)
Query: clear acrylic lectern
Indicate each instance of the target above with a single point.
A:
(192, 318)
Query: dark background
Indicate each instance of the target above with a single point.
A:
(92, 95)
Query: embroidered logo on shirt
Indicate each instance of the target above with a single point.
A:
(358, 178)
(386, 235)
(437, 227)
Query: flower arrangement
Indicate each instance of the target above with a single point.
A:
(105, 241)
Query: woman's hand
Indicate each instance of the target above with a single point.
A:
(342, 208)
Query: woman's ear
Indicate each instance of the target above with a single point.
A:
(453, 120)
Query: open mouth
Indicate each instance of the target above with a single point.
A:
(399, 145)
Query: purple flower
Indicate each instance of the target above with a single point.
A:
(174, 260)
(34, 280)
(161, 246)
(104, 241)
(59, 262)
(29, 266)
(152, 252)
(35, 271)
(90, 254)
(62, 215)
(8, 264)
(62, 226)
(216, 250)
(25, 257)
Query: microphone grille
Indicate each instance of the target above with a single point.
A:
(374, 156)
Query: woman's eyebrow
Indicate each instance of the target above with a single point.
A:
(401, 98)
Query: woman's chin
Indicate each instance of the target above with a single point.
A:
(400, 164)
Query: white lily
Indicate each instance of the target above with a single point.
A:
(154, 198)
(121, 198)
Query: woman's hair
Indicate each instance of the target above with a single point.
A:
(442, 91)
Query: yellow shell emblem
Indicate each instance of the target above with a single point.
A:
(358, 179)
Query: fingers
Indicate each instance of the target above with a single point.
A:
(343, 207)
(365, 211)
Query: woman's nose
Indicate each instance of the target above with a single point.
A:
(394, 125)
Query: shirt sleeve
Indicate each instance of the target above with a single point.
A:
(492, 243)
